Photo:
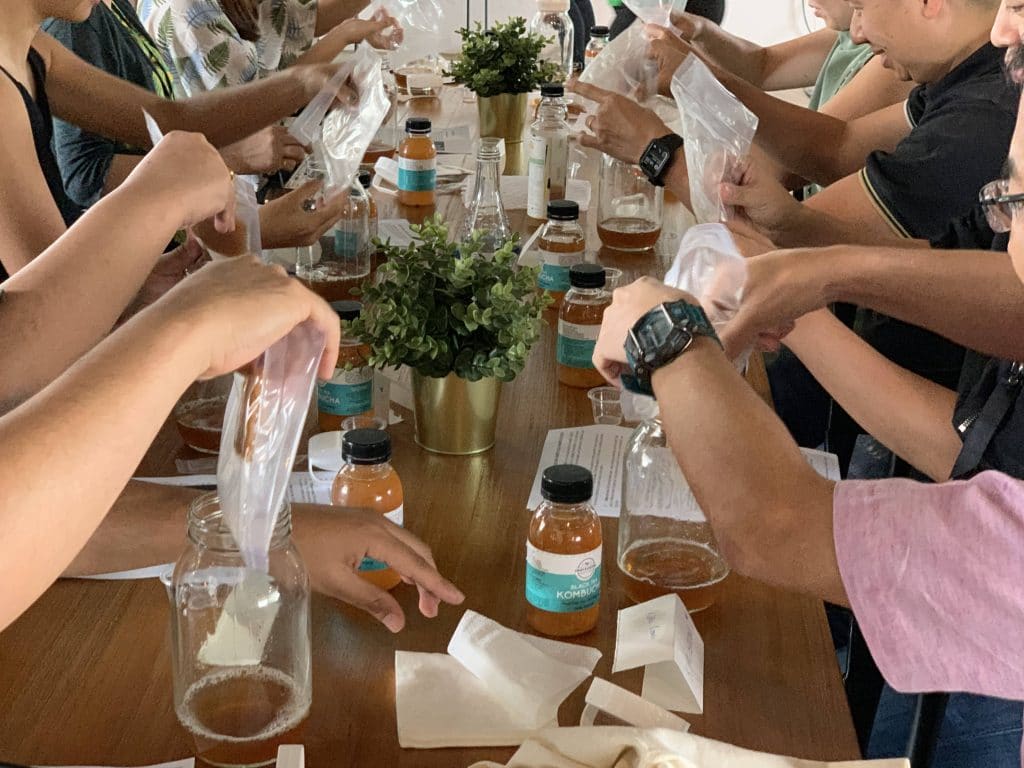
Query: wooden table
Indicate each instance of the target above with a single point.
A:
(85, 673)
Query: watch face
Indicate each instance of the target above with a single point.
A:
(655, 159)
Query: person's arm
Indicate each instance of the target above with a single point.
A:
(348, 32)
(50, 313)
(117, 397)
(105, 105)
(909, 414)
(873, 88)
(148, 523)
(331, 13)
(771, 513)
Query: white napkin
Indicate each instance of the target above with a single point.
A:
(495, 689)
(514, 192)
(657, 748)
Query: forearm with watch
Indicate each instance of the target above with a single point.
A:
(664, 165)
(772, 514)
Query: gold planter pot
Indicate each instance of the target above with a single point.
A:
(503, 116)
(455, 416)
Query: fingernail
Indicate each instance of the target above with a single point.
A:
(393, 622)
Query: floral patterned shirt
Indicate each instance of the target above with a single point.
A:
(204, 51)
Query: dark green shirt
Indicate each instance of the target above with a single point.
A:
(111, 39)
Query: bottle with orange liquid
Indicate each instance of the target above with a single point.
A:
(350, 391)
(561, 245)
(563, 555)
(417, 164)
(579, 324)
(368, 481)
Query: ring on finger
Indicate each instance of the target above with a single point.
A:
(309, 205)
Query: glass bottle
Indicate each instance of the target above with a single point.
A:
(385, 142)
(417, 164)
(561, 244)
(665, 542)
(340, 262)
(563, 555)
(599, 37)
(548, 152)
(368, 481)
(365, 181)
(630, 210)
(579, 324)
(553, 23)
(240, 642)
(486, 211)
(350, 390)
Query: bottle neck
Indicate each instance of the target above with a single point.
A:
(588, 293)
(552, 109)
(487, 173)
(368, 472)
(562, 228)
(208, 529)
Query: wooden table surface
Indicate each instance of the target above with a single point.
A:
(85, 673)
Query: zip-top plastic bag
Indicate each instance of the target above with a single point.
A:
(655, 11)
(349, 129)
(306, 125)
(625, 66)
(718, 131)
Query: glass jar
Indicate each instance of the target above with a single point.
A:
(240, 642)
(630, 210)
(486, 210)
(340, 262)
(665, 542)
(199, 413)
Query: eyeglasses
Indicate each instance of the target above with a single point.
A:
(999, 206)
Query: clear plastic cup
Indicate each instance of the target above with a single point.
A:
(606, 404)
(612, 278)
(363, 422)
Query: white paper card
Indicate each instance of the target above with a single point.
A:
(825, 464)
(395, 232)
(660, 636)
(628, 708)
(599, 448)
(302, 489)
(291, 756)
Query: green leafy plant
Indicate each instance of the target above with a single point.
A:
(442, 307)
(502, 59)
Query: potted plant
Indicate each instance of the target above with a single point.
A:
(502, 65)
(463, 322)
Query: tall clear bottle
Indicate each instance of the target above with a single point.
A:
(599, 37)
(486, 211)
(553, 23)
(562, 245)
(548, 152)
(666, 545)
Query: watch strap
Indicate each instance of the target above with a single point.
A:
(659, 337)
(670, 143)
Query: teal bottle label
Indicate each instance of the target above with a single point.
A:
(346, 242)
(576, 344)
(348, 393)
(562, 583)
(396, 516)
(417, 175)
(554, 278)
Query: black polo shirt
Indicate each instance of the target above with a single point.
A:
(960, 131)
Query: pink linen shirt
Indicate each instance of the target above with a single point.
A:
(935, 577)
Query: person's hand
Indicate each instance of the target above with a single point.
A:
(382, 30)
(206, 190)
(761, 199)
(333, 542)
(266, 151)
(311, 78)
(628, 305)
(621, 127)
(689, 26)
(231, 311)
(669, 51)
(170, 269)
(781, 287)
(288, 221)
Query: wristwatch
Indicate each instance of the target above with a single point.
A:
(658, 157)
(659, 337)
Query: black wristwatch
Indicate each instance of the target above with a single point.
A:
(658, 157)
(659, 337)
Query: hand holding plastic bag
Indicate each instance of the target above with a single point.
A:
(718, 131)
(656, 11)
(626, 66)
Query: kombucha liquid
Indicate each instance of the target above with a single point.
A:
(628, 234)
(239, 717)
(564, 255)
(200, 423)
(417, 162)
(580, 314)
(331, 281)
(343, 385)
(376, 487)
(689, 569)
(564, 530)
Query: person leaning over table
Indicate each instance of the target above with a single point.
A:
(39, 73)
(210, 44)
(90, 425)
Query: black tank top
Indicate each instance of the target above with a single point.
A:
(40, 119)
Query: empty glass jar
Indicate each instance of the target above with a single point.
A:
(665, 542)
(630, 210)
(240, 642)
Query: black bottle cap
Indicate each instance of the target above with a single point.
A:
(567, 484)
(599, 31)
(563, 210)
(587, 276)
(366, 446)
(552, 91)
(347, 310)
(417, 125)
(365, 179)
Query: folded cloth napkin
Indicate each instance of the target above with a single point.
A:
(656, 748)
(495, 688)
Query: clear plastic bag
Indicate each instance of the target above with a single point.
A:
(306, 126)
(348, 130)
(625, 66)
(656, 11)
(422, 15)
(718, 130)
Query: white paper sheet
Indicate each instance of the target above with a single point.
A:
(599, 448)
(395, 231)
(301, 487)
